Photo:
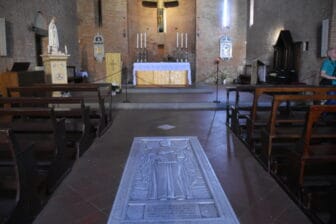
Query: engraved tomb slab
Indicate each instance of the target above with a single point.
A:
(170, 180)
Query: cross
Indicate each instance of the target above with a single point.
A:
(160, 5)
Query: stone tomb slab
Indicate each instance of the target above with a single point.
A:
(170, 180)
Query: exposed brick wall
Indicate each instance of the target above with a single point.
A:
(121, 23)
(302, 18)
(122, 20)
(113, 29)
(209, 30)
(179, 19)
(19, 17)
(332, 34)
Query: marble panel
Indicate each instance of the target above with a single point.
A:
(170, 180)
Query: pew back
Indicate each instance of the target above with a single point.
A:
(18, 192)
(101, 95)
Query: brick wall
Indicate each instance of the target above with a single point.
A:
(122, 20)
(160, 46)
(113, 29)
(19, 17)
(201, 19)
(332, 34)
(302, 18)
(208, 32)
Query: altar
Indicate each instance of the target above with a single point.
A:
(165, 74)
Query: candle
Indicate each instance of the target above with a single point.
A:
(65, 50)
(140, 40)
(177, 42)
(186, 38)
(181, 40)
(145, 39)
(137, 43)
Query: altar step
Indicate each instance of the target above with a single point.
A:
(167, 106)
(203, 89)
(189, 98)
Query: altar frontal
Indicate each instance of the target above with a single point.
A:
(162, 74)
(170, 180)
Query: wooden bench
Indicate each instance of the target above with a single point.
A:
(232, 103)
(101, 95)
(47, 135)
(19, 199)
(313, 166)
(103, 91)
(237, 111)
(285, 127)
(254, 115)
(325, 132)
(79, 128)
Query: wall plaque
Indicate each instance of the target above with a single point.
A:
(98, 47)
(225, 47)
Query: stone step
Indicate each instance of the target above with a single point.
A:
(165, 106)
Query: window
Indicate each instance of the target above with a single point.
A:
(251, 19)
(226, 14)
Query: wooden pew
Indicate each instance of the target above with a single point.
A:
(101, 95)
(48, 138)
(229, 90)
(237, 111)
(255, 119)
(323, 150)
(19, 199)
(236, 91)
(314, 161)
(72, 109)
(286, 126)
(104, 93)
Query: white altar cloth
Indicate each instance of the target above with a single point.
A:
(161, 66)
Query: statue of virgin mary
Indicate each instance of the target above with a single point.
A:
(53, 43)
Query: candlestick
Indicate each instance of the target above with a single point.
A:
(140, 40)
(137, 42)
(186, 39)
(181, 40)
(177, 40)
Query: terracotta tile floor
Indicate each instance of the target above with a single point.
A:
(87, 193)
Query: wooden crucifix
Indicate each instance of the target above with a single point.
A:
(160, 5)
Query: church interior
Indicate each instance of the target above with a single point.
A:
(222, 97)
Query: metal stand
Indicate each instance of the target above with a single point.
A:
(126, 99)
(217, 101)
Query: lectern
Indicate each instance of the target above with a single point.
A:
(55, 68)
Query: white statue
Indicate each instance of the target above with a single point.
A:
(53, 37)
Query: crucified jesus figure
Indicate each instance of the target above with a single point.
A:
(160, 5)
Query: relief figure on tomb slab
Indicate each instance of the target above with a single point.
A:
(167, 172)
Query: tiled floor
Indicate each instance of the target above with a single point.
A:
(87, 193)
